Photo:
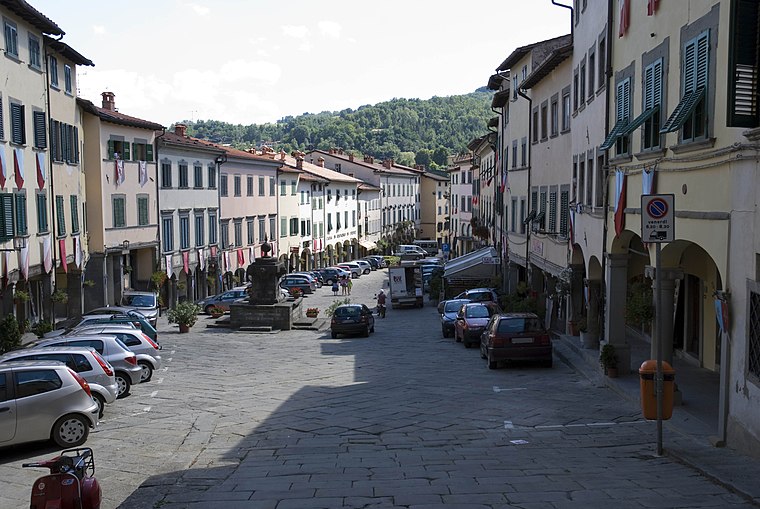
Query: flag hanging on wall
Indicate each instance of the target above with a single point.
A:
(3, 167)
(47, 254)
(647, 181)
(201, 259)
(142, 177)
(23, 262)
(18, 167)
(78, 255)
(625, 17)
(62, 252)
(652, 7)
(40, 159)
(168, 261)
(621, 180)
(186, 262)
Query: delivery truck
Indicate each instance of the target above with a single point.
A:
(405, 285)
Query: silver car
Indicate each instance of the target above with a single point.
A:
(144, 302)
(44, 400)
(146, 350)
(366, 267)
(118, 355)
(86, 362)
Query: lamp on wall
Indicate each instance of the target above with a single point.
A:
(125, 245)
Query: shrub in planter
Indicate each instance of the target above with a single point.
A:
(216, 311)
(40, 328)
(608, 360)
(10, 334)
(185, 314)
(60, 296)
(312, 312)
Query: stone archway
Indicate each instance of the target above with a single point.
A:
(339, 254)
(307, 260)
(348, 254)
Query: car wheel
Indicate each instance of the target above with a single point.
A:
(367, 271)
(70, 431)
(101, 404)
(124, 385)
(334, 335)
(147, 371)
(366, 332)
(491, 363)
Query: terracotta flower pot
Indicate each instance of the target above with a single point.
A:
(183, 328)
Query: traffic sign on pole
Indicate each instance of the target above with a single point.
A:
(658, 218)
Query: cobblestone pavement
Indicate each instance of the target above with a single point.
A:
(403, 418)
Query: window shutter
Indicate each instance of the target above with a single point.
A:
(125, 150)
(619, 105)
(649, 87)
(552, 212)
(627, 99)
(110, 149)
(40, 134)
(702, 60)
(689, 62)
(18, 134)
(76, 145)
(74, 214)
(657, 83)
(6, 216)
(149, 152)
(21, 228)
(60, 216)
(42, 225)
(743, 84)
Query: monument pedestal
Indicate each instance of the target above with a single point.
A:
(277, 316)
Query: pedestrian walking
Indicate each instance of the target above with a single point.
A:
(349, 284)
(335, 288)
(343, 286)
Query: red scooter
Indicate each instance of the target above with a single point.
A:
(71, 483)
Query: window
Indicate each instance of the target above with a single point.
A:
(7, 219)
(262, 229)
(622, 115)
(345, 218)
(691, 112)
(42, 212)
(117, 146)
(555, 116)
(272, 227)
(64, 142)
(250, 232)
(329, 222)
(184, 180)
(541, 217)
(184, 231)
(524, 152)
(652, 103)
(249, 185)
(544, 120)
(293, 226)
(564, 213)
(143, 212)
(599, 195)
(743, 64)
(293, 188)
(566, 109)
(522, 215)
(591, 72)
(198, 176)
(40, 132)
(142, 151)
(582, 74)
(34, 52)
(602, 61)
(261, 186)
(74, 202)
(514, 155)
(238, 229)
(225, 233)
(237, 185)
(223, 184)
(11, 39)
(31, 383)
(272, 186)
(18, 126)
(67, 78)
(353, 215)
(575, 90)
(118, 204)
(53, 63)
(211, 176)
(283, 226)
(167, 225)
(590, 181)
(166, 174)
(199, 240)
(283, 188)
(534, 139)
(580, 181)
(21, 217)
(212, 227)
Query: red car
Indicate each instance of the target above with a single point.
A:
(472, 320)
(516, 336)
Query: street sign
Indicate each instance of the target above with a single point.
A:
(491, 260)
(658, 218)
(445, 247)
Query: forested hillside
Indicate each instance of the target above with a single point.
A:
(407, 130)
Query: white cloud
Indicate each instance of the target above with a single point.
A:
(330, 29)
(305, 46)
(98, 29)
(296, 31)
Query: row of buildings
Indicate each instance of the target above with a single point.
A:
(640, 98)
(94, 201)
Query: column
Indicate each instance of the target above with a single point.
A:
(594, 294)
(666, 311)
(576, 292)
(614, 316)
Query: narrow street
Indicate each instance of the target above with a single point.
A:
(403, 418)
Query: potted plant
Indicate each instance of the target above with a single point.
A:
(185, 315)
(312, 312)
(21, 296)
(608, 360)
(215, 311)
(60, 296)
(158, 279)
(89, 283)
(296, 292)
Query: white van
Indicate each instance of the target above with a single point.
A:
(429, 246)
(410, 251)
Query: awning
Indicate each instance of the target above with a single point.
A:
(683, 111)
(616, 133)
(645, 115)
(367, 244)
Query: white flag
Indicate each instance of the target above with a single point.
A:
(143, 173)
(47, 254)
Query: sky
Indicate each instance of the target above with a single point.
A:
(256, 61)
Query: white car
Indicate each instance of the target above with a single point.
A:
(355, 269)
(365, 265)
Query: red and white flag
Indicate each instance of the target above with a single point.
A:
(213, 251)
(186, 262)
(3, 167)
(23, 262)
(240, 258)
(62, 252)
(168, 262)
(251, 254)
(18, 167)
(78, 254)
(41, 172)
(201, 259)
(47, 254)
(142, 176)
(652, 7)
(625, 16)
(621, 181)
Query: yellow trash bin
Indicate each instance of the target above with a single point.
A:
(648, 386)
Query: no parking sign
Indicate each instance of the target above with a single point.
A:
(657, 218)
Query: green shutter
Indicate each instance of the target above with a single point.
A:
(74, 214)
(110, 149)
(76, 145)
(60, 216)
(125, 151)
(21, 226)
(683, 111)
(42, 223)
(149, 152)
(6, 216)
(645, 115)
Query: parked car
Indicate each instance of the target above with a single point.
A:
(352, 319)
(381, 263)
(144, 302)
(45, 400)
(365, 265)
(69, 323)
(449, 310)
(409, 250)
(224, 299)
(472, 320)
(124, 361)
(301, 281)
(135, 318)
(84, 361)
(354, 268)
(515, 336)
(331, 274)
(316, 276)
(144, 348)
(479, 295)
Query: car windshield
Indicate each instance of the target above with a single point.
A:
(452, 306)
(477, 312)
(519, 325)
(344, 312)
(139, 301)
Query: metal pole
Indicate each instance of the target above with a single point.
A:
(658, 332)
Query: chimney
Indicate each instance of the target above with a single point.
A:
(321, 162)
(282, 155)
(367, 159)
(180, 130)
(351, 157)
(299, 161)
(108, 101)
(387, 163)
